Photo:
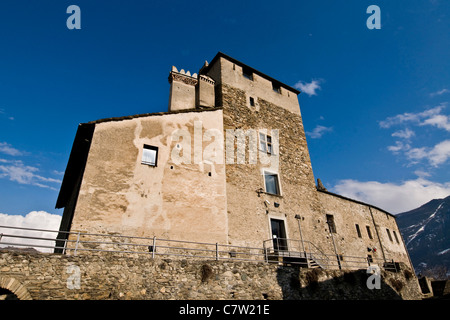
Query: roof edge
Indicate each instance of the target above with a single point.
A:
(76, 163)
(223, 55)
(356, 201)
(142, 115)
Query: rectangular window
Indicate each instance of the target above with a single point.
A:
(265, 143)
(272, 183)
(247, 73)
(389, 234)
(358, 231)
(150, 155)
(276, 87)
(252, 101)
(395, 236)
(331, 224)
(369, 233)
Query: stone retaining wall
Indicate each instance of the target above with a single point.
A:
(115, 276)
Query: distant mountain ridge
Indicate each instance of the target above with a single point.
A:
(426, 232)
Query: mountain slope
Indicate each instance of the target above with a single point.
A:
(426, 232)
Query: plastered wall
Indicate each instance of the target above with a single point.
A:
(172, 200)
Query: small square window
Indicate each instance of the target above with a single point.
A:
(276, 87)
(265, 143)
(272, 183)
(150, 155)
(247, 73)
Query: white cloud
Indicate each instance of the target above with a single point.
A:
(440, 92)
(34, 220)
(399, 146)
(422, 174)
(6, 148)
(411, 117)
(15, 170)
(394, 198)
(405, 134)
(319, 131)
(439, 120)
(436, 155)
(308, 88)
(415, 154)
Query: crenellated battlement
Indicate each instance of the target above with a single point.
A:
(187, 73)
(190, 91)
(183, 76)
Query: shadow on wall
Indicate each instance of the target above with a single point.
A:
(318, 284)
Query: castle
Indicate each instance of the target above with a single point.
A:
(227, 163)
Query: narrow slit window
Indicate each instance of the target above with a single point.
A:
(369, 233)
(150, 155)
(331, 224)
(252, 101)
(395, 236)
(389, 234)
(358, 231)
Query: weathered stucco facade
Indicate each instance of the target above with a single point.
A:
(120, 194)
(208, 184)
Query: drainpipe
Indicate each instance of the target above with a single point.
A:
(334, 246)
(378, 235)
(301, 236)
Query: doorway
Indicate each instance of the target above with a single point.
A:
(278, 235)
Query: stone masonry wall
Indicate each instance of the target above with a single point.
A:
(348, 213)
(298, 194)
(115, 277)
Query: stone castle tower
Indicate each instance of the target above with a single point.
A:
(228, 163)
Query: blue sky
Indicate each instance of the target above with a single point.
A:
(375, 103)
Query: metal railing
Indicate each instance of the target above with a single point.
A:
(306, 253)
(282, 251)
(78, 242)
